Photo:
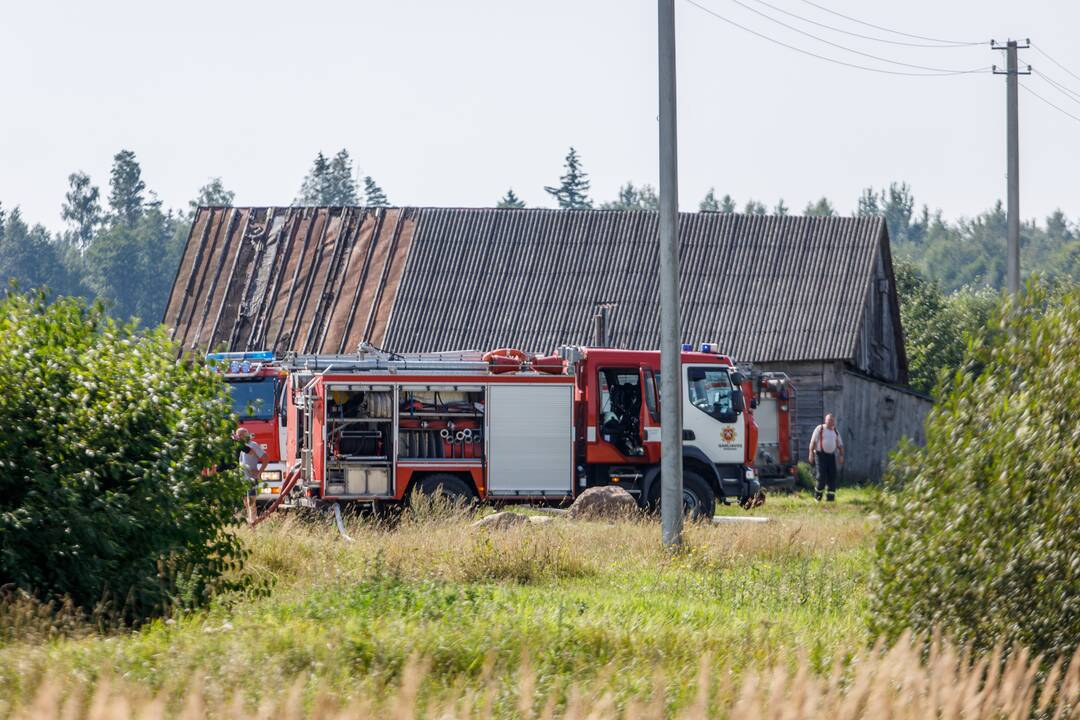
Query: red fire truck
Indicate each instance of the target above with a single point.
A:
(257, 383)
(373, 427)
(774, 412)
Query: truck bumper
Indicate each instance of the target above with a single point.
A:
(746, 485)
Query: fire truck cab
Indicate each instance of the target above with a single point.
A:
(256, 385)
(374, 427)
(619, 426)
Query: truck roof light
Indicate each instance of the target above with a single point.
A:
(688, 347)
(259, 356)
(708, 348)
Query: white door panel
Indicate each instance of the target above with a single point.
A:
(722, 443)
(530, 439)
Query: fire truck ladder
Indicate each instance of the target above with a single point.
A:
(366, 361)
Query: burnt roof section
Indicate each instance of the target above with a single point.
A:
(313, 280)
(764, 288)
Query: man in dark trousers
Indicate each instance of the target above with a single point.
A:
(827, 453)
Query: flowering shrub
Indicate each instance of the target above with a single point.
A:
(104, 442)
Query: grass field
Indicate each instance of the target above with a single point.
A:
(592, 605)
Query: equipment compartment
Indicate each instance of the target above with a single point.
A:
(441, 423)
(359, 437)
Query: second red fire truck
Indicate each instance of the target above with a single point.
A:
(375, 427)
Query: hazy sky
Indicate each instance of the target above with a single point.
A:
(451, 103)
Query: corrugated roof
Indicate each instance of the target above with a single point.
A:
(304, 279)
(420, 279)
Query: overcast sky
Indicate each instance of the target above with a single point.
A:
(451, 103)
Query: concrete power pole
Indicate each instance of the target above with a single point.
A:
(1012, 73)
(671, 477)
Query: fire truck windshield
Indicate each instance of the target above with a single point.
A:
(710, 392)
(253, 399)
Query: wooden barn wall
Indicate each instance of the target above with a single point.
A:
(872, 416)
(875, 417)
(878, 350)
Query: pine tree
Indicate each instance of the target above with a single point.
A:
(373, 194)
(573, 190)
(82, 209)
(781, 210)
(648, 199)
(627, 199)
(124, 265)
(341, 185)
(510, 200)
(727, 204)
(753, 207)
(212, 194)
(634, 198)
(822, 208)
(29, 256)
(315, 185)
(898, 207)
(126, 188)
(709, 203)
(868, 204)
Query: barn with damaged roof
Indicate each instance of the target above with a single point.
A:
(813, 297)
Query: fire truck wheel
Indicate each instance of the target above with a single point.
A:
(699, 501)
(452, 487)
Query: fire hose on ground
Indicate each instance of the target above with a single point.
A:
(286, 486)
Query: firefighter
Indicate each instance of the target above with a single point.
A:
(253, 460)
(827, 454)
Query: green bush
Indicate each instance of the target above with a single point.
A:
(981, 536)
(104, 436)
(805, 479)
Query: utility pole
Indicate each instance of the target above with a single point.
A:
(1012, 73)
(671, 477)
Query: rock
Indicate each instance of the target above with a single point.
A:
(609, 502)
(501, 521)
(557, 512)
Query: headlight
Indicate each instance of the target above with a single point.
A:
(749, 473)
(270, 476)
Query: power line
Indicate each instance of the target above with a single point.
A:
(889, 30)
(844, 47)
(1071, 94)
(797, 49)
(904, 43)
(1059, 109)
(1042, 52)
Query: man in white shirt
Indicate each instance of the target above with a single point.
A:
(254, 461)
(827, 453)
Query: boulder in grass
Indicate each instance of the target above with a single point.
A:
(501, 521)
(609, 502)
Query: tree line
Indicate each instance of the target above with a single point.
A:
(122, 246)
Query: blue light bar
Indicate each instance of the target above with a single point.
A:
(259, 356)
(708, 348)
(688, 347)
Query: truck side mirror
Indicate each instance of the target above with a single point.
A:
(737, 401)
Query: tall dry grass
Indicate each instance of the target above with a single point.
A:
(906, 681)
(437, 542)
